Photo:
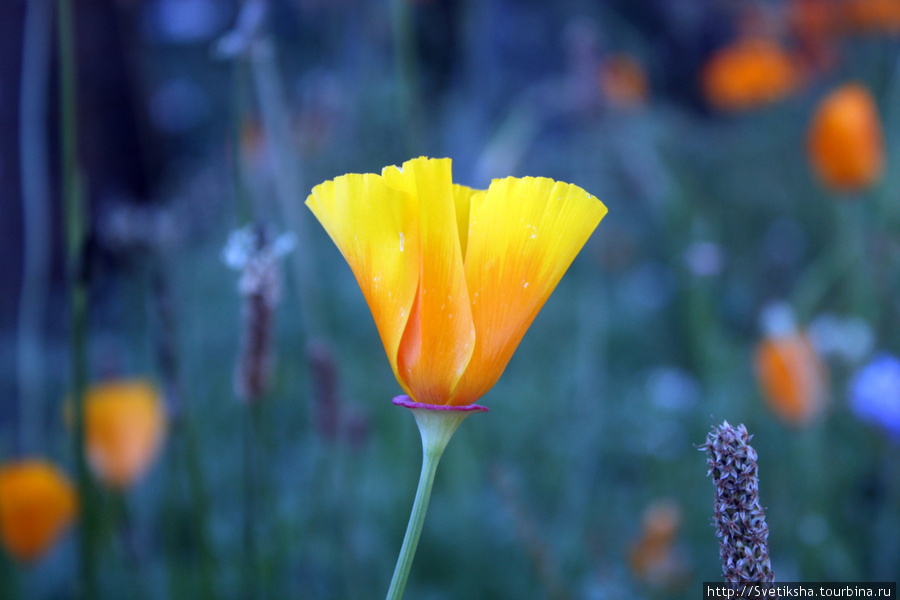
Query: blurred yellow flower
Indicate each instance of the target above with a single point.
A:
(845, 142)
(125, 424)
(37, 504)
(453, 276)
(792, 377)
(751, 72)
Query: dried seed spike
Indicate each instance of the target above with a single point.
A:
(739, 517)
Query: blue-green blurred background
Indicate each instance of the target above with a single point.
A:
(197, 117)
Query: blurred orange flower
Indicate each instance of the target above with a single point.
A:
(845, 142)
(870, 16)
(624, 81)
(751, 72)
(125, 424)
(654, 558)
(453, 276)
(815, 24)
(37, 504)
(792, 377)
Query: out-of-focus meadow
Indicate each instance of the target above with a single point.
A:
(238, 424)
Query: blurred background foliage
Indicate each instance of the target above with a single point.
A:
(747, 271)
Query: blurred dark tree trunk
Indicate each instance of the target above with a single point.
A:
(117, 151)
(12, 19)
(118, 154)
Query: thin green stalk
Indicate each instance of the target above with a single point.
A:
(436, 427)
(75, 207)
(138, 589)
(74, 217)
(201, 503)
(251, 558)
(405, 60)
(9, 576)
(256, 501)
(183, 454)
(86, 490)
(834, 266)
(37, 45)
(242, 196)
(287, 177)
(430, 461)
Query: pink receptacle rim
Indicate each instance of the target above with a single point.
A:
(410, 403)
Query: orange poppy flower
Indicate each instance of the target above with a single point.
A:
(654, 557)
(871, 16)
(125, 424)
(792, 377)
(623, 80)
(453, 276)
(845, 142)
(37, 504)
(815, 25)
(749, 73)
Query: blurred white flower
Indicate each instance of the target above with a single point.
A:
(847, 338)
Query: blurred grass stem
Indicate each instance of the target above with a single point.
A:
(287, 174)
(238, 102)
(36, 47)
(182, 427)
(136, 561)
(75, 211)
(845, 261)
(252, 431)
(405, 62)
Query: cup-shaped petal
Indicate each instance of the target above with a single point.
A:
(523, 235)
(376, 228)
(125, 424)
(439, 336)
(37, 504)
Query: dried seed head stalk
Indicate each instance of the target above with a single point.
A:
(327, 401)
(255, 253)
(740, 520)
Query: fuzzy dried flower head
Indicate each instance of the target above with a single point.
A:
(739, 518)
(256, 253)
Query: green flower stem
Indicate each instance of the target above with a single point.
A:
(406, 74)
(436, 426)
(75, 211)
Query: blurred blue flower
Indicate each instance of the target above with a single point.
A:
(875, 393)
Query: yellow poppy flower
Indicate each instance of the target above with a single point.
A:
(453, 276)
(124, 425)
(37, 504)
